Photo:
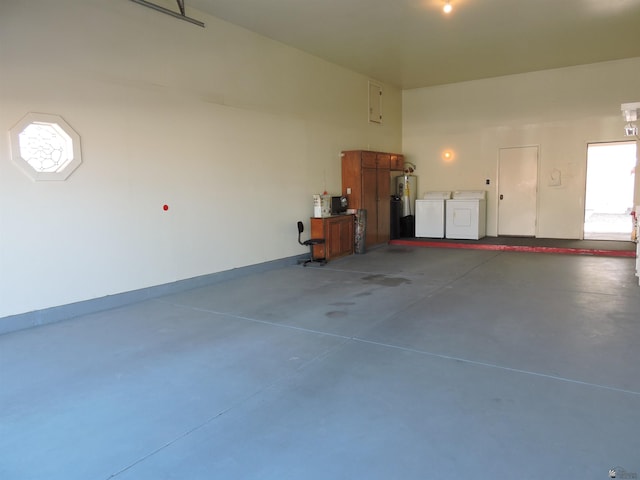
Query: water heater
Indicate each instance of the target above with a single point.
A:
(406, 187)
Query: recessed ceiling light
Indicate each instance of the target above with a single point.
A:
(447, 8)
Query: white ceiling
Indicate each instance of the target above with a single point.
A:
(412, 43)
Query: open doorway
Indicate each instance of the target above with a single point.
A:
(609, 191)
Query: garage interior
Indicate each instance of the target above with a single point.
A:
(155, 322)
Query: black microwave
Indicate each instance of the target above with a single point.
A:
(338, 205)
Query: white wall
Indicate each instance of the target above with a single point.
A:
(233, 131)
(560, 110)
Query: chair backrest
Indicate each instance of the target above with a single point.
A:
(300, 230)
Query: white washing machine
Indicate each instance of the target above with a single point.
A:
(430, 214)
(466, 214)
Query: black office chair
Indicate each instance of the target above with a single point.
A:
(310, 243)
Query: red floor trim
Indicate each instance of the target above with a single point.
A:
(516, 248)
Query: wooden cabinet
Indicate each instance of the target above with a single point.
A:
(338, 234)
(366, 178)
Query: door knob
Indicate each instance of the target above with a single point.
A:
(501, 196)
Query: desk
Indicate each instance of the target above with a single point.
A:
(338, 234)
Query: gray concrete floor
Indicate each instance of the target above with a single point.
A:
(404, 363)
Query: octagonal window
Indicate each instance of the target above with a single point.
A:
(45, 147)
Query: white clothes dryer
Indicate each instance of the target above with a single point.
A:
(430, 214)
(466, 214)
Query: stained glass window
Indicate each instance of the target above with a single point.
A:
(45, 147)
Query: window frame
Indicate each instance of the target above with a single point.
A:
(45, 119)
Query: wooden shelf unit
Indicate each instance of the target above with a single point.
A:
(338, 234)
(366, 179)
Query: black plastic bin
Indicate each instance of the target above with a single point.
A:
(408, 227)
(396, 213)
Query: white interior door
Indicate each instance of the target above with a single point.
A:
(517, 191)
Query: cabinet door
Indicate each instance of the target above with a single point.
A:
(318, 231)
(346, 235)
(384, 205)
(370, 203)
(397, 162)
(384, 160)
(352, 178)
(333, 238)
(369, 159)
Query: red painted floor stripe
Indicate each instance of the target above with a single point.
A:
(516, 248)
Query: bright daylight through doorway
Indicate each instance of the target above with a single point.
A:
(609, 194)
